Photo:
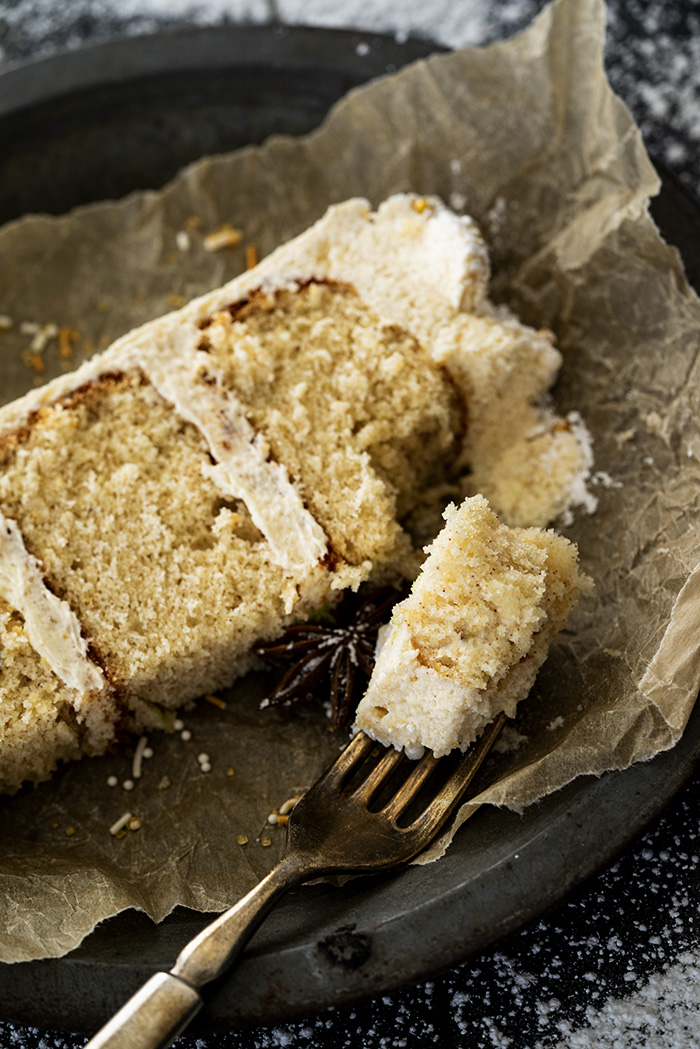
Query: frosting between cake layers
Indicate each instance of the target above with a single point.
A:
(242, 468)
(51, 625)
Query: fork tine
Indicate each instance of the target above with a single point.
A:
(444, 803)
(407, 792)
(356, 751)
(378, 775)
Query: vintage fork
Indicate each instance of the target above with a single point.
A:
(332, 829)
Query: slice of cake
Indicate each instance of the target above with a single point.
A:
(468, 641)
(224, 470)
(186, 497)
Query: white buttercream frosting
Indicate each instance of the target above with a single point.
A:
(51, 626)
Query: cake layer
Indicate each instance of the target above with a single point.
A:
(126, 523)
(354, 408)
(225, 469)
(468, 641)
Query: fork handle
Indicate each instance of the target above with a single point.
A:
(162, 1008)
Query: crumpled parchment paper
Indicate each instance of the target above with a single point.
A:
(527, 137)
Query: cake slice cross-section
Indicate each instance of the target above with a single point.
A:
(467, 642)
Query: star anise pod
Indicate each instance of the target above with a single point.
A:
(335, 656)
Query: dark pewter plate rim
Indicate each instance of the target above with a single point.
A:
(326, 946)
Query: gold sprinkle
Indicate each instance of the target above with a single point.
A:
(242, 839)
(176, 300)
(223, 237)
(229, 772)
(120, 834)
(420, 205)
(265, 842)
(216, 702)
(282, 821)
(37, 362)
(251, 256)
(193, 222)
(70, 831)
(66, 338)
(54, 825)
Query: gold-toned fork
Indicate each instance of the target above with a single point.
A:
(355, 819)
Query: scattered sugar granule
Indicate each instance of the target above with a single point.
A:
(70, 831)
(555, 724)
(134, 823)
(242, 839)
(164, 783)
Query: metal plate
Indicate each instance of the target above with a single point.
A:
(114, 117)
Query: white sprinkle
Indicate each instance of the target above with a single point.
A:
(29, 327)
(203, 759)
(272, 818)
(205, 766)
(186, 735)
(112, 781)
(138, 757)
(179, 725)
(289, 805)
(128, 784)
(182, 240)
(5, 322)
(45, 333)
(121, 822)
(148, 752)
